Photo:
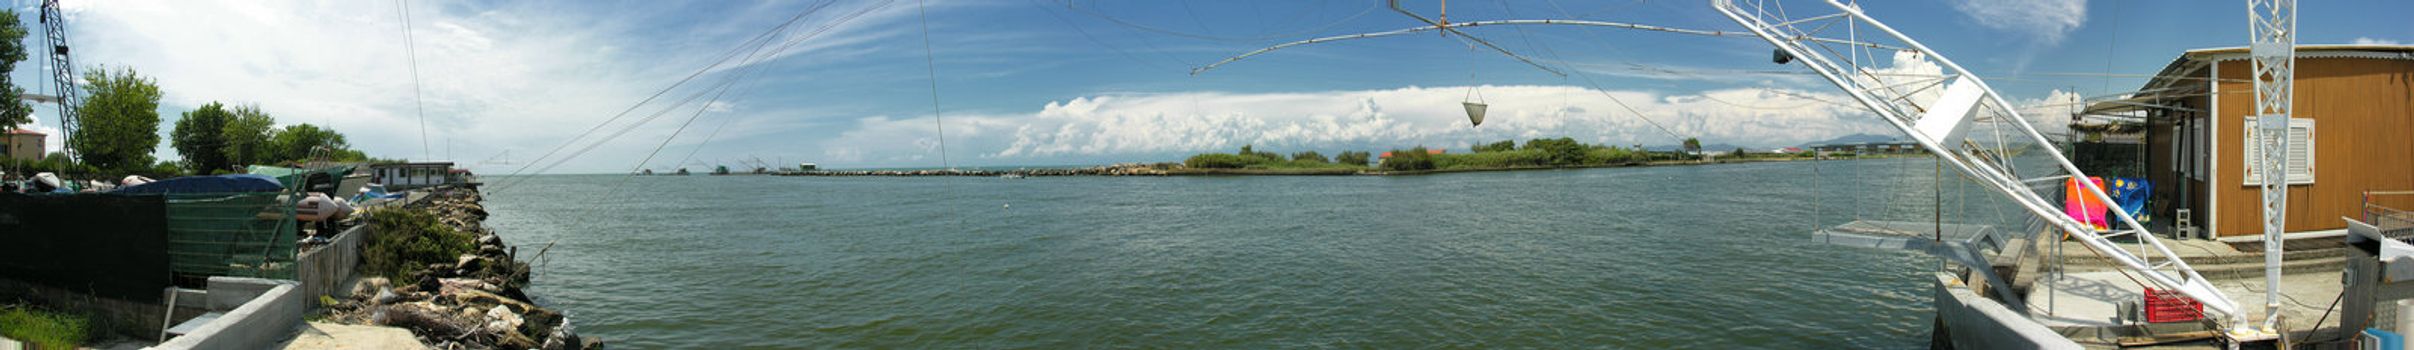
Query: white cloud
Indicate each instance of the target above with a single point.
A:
(493, 76)
(2375, 41)
(1156, 124)
(2046, 21)
(2052, 114)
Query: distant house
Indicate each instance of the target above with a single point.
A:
(404, 176)
(1787, 150)
(22, 144)
(2197, 117)
(1866, 148)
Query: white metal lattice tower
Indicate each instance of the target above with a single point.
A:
(2272, 25)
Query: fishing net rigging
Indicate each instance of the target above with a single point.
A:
(748, 53)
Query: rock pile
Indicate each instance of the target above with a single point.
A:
(473, 302)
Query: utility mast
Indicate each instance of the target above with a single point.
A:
(62, 72)
(2272, 25)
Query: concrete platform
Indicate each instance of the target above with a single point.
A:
(329, 336)
(2085, 305)
(2090, 299)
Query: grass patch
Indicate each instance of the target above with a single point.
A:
(405, 240)
(46, 330)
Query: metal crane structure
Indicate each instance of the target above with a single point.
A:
(2272, 25)
(62, 72)
(1937, 109)
(1953, 114)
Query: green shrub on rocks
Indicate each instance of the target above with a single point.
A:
(405, 240)
(1217, 161)
(45, 330)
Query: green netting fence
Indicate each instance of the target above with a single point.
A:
(231, 234)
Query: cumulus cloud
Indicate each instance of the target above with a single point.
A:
(493, 76)
(2375, 41)
(2046, 21)
(1173, 123)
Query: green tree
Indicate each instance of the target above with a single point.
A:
(1352, 157)
(1562, 151)
(13, 111)
(198, 136)
(120, 122)
(1309, 156)
(1409, 159)
(1502, 146)
(246, 136)
(295, 142)
(1693, 144)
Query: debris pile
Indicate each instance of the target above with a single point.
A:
(472, 302)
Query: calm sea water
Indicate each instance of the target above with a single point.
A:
(1692, 257)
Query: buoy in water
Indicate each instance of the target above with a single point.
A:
(1475, 112)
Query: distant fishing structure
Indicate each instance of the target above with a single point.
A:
(1939, 111)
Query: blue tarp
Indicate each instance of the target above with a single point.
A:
(208, 184)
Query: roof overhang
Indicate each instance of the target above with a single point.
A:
(2183, 77)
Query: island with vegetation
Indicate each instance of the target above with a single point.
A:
(1555, 153)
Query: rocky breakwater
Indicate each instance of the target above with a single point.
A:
(451, 281)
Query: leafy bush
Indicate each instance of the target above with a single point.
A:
(1562, 151)
(404, 240)
(1611, 155)
(1409, 159)
(1494, 159)
(1502, 146)
(44, 330)
(1309, 156)
(1357, 158)
(1217, 161)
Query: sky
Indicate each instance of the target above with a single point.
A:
(563, 86)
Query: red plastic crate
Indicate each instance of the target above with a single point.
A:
(2168, 306)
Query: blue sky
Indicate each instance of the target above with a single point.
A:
(1043, 82)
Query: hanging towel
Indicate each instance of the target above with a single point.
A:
(2130, 194)
(2082, 206)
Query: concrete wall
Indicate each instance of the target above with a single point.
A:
(329, 270)
(1975, 322)
(264, 313)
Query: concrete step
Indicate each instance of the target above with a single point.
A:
(2294, 244)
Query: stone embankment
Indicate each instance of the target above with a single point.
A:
(474, 302)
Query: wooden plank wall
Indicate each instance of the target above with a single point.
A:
(2363, 140)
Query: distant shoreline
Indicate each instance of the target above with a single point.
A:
(1174, 169)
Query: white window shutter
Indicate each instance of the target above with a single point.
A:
(2300, 151)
